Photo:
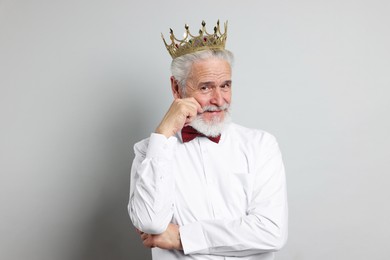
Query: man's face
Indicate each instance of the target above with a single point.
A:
(209, 82)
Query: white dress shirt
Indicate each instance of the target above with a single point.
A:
(229, 198)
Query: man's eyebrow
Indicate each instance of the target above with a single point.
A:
(207, 83)
(211, 83)
(227, 82)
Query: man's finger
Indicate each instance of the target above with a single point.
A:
(198, 106)
(149, 242)
(144, 236)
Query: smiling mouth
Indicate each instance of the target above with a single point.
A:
(214, 112)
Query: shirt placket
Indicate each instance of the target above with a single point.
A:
(208, 177)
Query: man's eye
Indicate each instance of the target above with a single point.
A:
(205, 88)
(226, 86)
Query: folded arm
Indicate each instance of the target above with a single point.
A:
(152, 185)
(264, 226)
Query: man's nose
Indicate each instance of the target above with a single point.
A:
(217, 97)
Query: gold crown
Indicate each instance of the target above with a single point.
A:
(191, 43)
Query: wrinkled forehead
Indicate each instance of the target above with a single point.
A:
(212, 69)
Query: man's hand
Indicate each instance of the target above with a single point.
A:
(181, 113)
(170, 239)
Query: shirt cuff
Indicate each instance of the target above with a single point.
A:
(160, 146)
(193, 239)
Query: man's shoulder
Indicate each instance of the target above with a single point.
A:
(251, 134)
(253, 140)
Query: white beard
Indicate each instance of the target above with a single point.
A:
(214, 127)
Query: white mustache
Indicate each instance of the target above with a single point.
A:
(215, 108)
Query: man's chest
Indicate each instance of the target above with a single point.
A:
(211, 182)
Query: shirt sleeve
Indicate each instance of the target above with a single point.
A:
(152, 184)
(264, 226)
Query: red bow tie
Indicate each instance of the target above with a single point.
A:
(188, 133)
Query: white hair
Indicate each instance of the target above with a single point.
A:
(181, 66)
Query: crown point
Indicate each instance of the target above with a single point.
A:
(192, 43)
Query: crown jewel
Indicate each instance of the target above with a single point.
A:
(192, 43)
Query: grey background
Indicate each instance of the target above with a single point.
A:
(82, 81)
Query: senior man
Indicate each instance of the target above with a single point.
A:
(203, 187)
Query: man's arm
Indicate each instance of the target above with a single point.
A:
(263, 229)
(264, 226)
(152, 183)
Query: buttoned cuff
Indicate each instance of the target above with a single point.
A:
(193, 239)
(160, 146)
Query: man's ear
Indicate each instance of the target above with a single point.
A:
(175, 88)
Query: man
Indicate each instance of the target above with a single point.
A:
(201, 186)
